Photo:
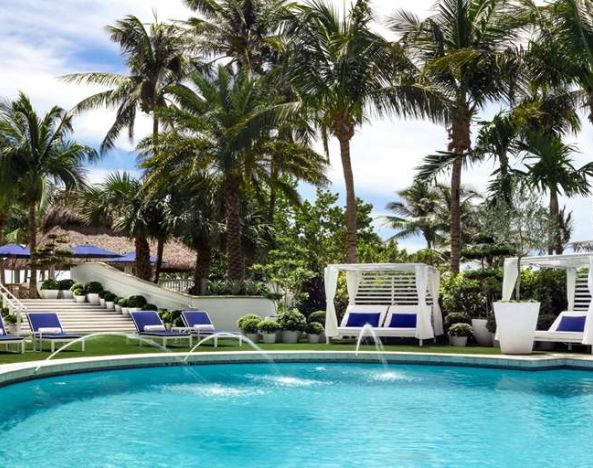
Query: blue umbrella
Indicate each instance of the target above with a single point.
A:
(130, 257)
(14, 251)
(92, 251)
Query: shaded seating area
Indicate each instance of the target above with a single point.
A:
(395, 299)
(7, 339)
(575, 324)
(199, 322)
(149, 324)
(46, 327)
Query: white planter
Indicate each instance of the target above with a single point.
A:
(66, 294)
(93, 298)
(102, 301)
(460, 341)
(253, 337)
(11, 328)
(290, 336)
(133, 309)
(313, 339)
(481, 334)
(79, 299)
(50, 293)
(117, 308)
(515, 326)
(125, 311)
(109, 305)
(269, 338)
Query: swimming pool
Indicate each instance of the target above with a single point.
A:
(300, 415)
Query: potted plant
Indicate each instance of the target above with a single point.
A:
(526, 224)
(123, 304)
(150, 307)
(78, 294)
(314, 331)
(268, 329)
(50, 289)
(482, 333)
(116, 305)
(248, 325)
(102, 298)
(92, 292)
(292, 323)
(459, 333)
(9, 321)
(135, 303)
(455, 317)
(64, 286)
(109, 298)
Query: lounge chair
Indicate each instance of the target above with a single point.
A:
(357, 316)
(46, 326)
(200, 323)
(7, 339)
(149, 324)
(568, 327)
(400, 322)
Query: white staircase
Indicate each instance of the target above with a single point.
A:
(79, 318)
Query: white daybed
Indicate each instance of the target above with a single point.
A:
(396, 299)
(574, 325)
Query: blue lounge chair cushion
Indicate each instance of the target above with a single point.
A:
(403, 321)
(10, 338)
(39, 320)
(571, 324)
(359, 319)
(59, 336)
(164, 333)
(144, 318)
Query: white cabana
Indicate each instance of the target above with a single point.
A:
(388, 285)
(579, 289)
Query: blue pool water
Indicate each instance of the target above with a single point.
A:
(295, 415)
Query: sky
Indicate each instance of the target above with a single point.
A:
(41, 41)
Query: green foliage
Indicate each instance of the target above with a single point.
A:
(94, 287)
(76, 286)
(65, 284)
(456, 317)
(461, 294)
(491, 324)
(136, 301)
(251, 325)
(269, 326)
(461, 329)
(236, 288)
(172, 317)
(123, 302)
(245, 318)
(314, 328)
(109, 297)
(547, 286)
(317, 316)
(292, 320)
(102, 294)
(78, 290)
(8, 317)
(150, 307)
(50, 284)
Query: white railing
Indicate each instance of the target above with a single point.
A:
(13, 304)
(179, 285)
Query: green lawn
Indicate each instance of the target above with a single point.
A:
(104, 346)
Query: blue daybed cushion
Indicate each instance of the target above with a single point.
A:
(356, 319)
(403, 321)
(572, 324)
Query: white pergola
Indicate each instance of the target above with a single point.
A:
(569, 262)
(426, 278)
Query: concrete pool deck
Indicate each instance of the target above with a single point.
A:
(17, 372)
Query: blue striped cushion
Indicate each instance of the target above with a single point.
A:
(360, 319)
(571, 324)
(403, 321)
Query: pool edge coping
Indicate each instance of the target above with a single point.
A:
(18, 372)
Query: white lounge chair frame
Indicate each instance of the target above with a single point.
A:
(579, 287)
(388, 287)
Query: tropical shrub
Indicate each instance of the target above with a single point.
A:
(314, 328)
(65, 284)
(461, 294)
(236, 288)
(50, 284)
(461, 329)
(292, 320)
(317, 316)
(136, 301)
(103, 293)
(78, 291)
(247, 318)
(251, 325)
(171, 316)
(94, 287)
(491, 324)
(268, 326)
(547, 286)
(150, 307)
(456, 317)
(109, 296)
(122, 302)
(77, 286)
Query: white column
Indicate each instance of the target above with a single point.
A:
(588, 331)
(571, 285)
(424, 329)
(331, 284)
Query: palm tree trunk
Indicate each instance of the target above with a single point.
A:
(555, 215)
(160, 247)
(33, 248)
(155, 132)
(201, 269)
(235, 260)
(351, 208)
(143, 268)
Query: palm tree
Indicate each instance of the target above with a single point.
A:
(222, 126)
(549, 168)
(38, 153)
(419, 212)
(246, 32)
(343, 72)
(119, 202)
(464, 49)
(155, 58)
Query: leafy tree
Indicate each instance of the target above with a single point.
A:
(38, 153)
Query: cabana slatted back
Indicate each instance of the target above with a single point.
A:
(582, 297)
(388, 288)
